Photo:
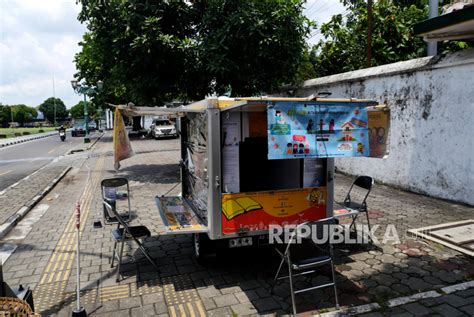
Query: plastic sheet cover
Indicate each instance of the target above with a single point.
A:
(195, 177)
(197, 129)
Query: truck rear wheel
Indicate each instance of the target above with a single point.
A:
(202, 246)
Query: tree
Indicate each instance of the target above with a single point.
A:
(151, 52)
(5, 115)
(345, 45)
(77, 111)
(23, 113)
(47, 108)
(249, 47)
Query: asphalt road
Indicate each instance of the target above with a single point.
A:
(20, 160)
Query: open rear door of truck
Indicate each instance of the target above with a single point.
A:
(178, 216)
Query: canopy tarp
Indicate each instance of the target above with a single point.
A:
(223, 103)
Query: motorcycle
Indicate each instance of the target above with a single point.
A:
(62, 135)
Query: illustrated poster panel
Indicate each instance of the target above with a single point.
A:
(305, 130)
(379, 122)
(256, 211)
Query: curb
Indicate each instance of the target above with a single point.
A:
(17, 216)
(72, 151)
(44, 135)
(394, 302)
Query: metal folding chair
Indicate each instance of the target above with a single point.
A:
(303, 259)
(112, 195)
(364, 183)
(127, 233)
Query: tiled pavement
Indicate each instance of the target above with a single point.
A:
(234, 283)
(15, 197)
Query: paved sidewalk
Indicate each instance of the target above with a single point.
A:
(234, 283)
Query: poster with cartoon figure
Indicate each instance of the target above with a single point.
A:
(305, 130)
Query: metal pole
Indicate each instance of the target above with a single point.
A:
(433, 12)
(78, 254)
(369, 33)
(79, 311)
(11, 114)
(54, 100)
(86, 137)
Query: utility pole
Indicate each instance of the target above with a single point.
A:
(11, 115)
(54, 100)
(433, 12)
(369, 33)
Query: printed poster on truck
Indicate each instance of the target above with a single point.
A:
(257, 210)
(305, 130)
(379, 122)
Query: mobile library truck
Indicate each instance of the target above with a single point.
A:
(248, 163)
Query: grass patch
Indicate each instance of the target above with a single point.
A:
(10, 133)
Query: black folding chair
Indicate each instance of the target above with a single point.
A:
(303, 258)
(127, 233)
(112, 195)
(363, 183)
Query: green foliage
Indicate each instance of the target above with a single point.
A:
(151, 52)
(5, 115)
(345, 45)
(23, 113)
(77, 111)
(47, 108)
(251, 46)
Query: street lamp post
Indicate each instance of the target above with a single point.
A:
(82, 88)
(100, 118)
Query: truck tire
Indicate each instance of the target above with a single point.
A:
(203, 247)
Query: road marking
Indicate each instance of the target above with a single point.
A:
(31, 159)
(5, 173)
(49, 152)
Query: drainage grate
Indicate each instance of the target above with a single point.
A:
(457, 235)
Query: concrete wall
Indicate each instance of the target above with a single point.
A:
(432, 122)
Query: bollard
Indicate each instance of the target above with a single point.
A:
(79, 311)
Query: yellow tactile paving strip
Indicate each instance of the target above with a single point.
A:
(52, 297)
(179, 289)
(58, 270)
(181, 297)
(193, 309)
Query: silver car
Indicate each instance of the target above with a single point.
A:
(161, 128)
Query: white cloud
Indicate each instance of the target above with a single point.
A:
(38, 42)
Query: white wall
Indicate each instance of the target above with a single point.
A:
(432, 122)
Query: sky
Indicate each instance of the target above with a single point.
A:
(38, 41)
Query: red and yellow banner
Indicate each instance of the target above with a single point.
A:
(256, 211)
(122, 146)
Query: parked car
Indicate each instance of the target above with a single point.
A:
(78, 129)
(161, 128)
(92, 125)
